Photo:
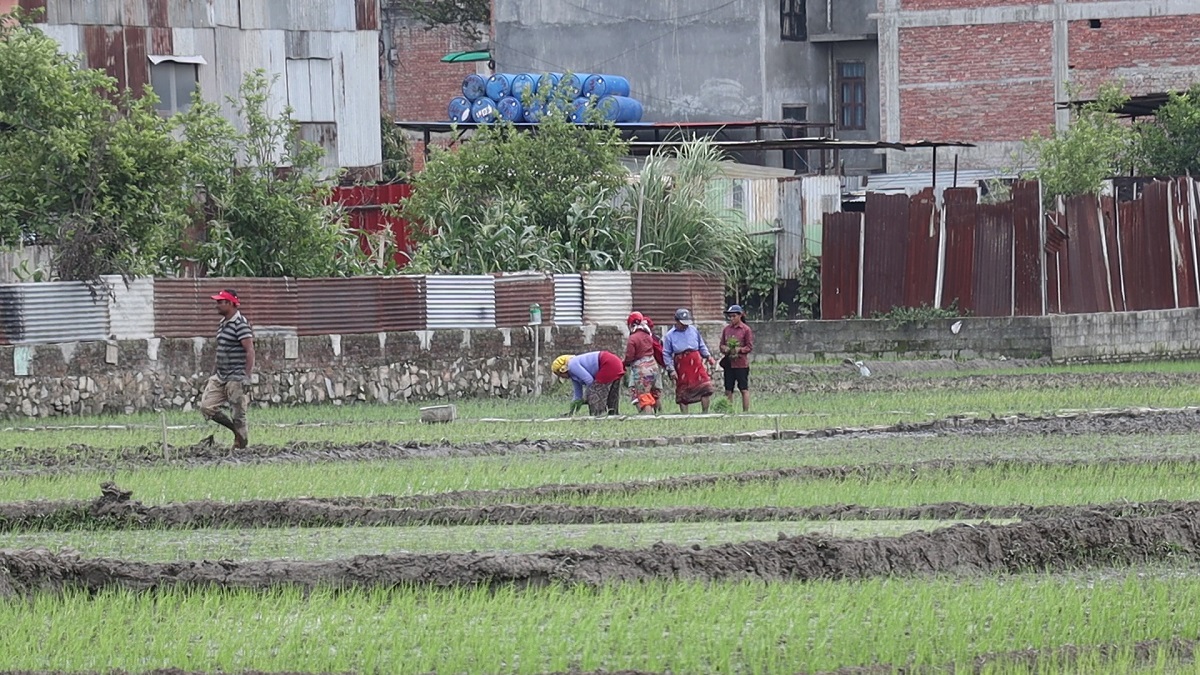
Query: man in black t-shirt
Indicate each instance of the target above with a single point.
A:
(234, 364)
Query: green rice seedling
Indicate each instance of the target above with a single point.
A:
(1007, 484)
(741, 627)
(432, 476)
(528, 419)
(325, 543)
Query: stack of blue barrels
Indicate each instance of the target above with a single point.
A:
(517, 97)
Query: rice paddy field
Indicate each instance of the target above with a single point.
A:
(933, 518)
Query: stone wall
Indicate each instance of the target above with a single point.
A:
(141, 375)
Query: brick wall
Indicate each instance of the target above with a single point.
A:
(1148, 54)
(420, 84)
(975, 83)
(990, 77)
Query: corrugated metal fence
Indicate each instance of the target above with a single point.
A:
(1094, 254)
(145, 308)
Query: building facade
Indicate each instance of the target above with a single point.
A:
(322, 54)
(713, 60)
(992, 71)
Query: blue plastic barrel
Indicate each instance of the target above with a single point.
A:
(605, 85)
(620, 109)
(575, 82)
(510, 108)
(459, 109)
(522, 84)
(548, 81)
(579, 109)
(499, 85)
(483, 111)
(474, 87)
(533, 112)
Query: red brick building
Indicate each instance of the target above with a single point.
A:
(991, 71)
(415, 85)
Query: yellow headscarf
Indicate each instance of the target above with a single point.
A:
(560, 364)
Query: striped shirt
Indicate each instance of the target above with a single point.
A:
(231, 355)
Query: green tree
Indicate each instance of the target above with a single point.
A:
(268, 210)
(1169, 145)
(506, 184)
(1078, 160)
(558, 199)
(397, 152)
(270, 206)
(90, 171)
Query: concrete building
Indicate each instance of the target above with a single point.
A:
(714, 60)
(324, 54)
(991, 71)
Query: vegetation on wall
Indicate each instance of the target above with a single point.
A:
(1099, 145)
(1077, 160)
(397, 152)
(468, 16)
(1169, 143)
(752, 283)
(113, 187)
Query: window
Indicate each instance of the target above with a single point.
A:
(310, 89)
(852, 95)
(793, 23)
(796, 160)
(174, 82)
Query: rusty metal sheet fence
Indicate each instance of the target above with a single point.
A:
(515, 292)
(993, 267)
(884, 246)
(708, 296)
(958, 263)
(1138, 250)
(184, 308)
(1028, 245)
(921, 254)
(658, 295)
(841, 237)
(358, 305)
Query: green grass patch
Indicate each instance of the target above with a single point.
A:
(999, 485)
(356, 424)
(676, 626)
(329, 543)
(240, 482)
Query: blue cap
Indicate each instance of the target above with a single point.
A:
(734, 309)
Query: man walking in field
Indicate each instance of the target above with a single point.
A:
(234, 364)
(737, 341)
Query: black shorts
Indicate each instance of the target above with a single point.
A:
(738, 376)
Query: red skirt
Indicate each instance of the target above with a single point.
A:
(692, 381)
(612, 368)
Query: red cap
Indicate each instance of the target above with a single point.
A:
(635, 317)
(227, 295)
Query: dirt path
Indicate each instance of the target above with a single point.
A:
(1044, 545)
(116, 510)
